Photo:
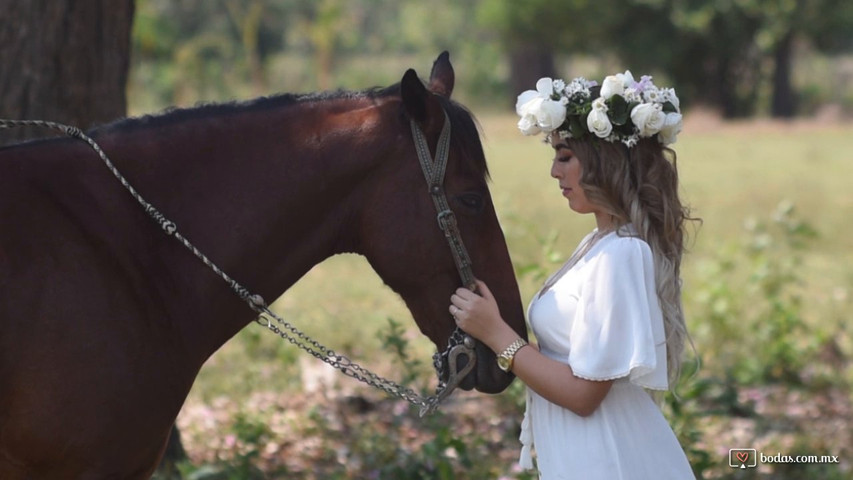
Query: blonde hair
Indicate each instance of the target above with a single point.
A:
(640, 185)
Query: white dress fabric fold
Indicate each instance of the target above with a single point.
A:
(602, 317)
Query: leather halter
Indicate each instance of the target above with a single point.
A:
(459, 343)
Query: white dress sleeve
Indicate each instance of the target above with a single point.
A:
(618, 329)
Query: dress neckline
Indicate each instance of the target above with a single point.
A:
(587, 244)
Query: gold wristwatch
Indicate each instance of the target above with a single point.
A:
(508, 355)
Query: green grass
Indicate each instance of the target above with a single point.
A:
(769, 355)
(730, 173)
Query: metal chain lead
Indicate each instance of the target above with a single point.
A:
(256, 302)
(346, 366)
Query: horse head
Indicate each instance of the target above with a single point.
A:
(400, 234)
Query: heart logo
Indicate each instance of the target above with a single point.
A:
(742, 456)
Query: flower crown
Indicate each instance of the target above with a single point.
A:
(621, 109)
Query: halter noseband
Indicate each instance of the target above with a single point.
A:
(459, 343)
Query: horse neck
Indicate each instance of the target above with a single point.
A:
(266, 195)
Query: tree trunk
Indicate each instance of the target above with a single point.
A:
(784, 101)
(63, 60)
(724, 89)
(527, 64)
(67, 61)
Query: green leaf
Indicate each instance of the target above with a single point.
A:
(577, 127)
(617, 110)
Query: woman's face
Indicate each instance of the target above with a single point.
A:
(567, 169)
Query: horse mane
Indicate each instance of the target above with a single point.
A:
(202, 110)
(465, 134)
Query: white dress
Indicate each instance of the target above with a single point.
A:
(602, 317)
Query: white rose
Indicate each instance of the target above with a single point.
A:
(545, 87)
(538, 111)
(671, 128)
(648, 118)
(528, 125)
(525, 102)
(527, 105)
(612, 85)
(598, 122)
(550, 115)
(544, 90)
(627, 79)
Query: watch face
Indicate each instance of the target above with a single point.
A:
(503, 363)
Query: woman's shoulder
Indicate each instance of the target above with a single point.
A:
(625, 241)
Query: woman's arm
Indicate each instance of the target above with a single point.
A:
(479, 316)
(557, 383)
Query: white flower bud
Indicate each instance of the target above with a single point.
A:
(612, 85)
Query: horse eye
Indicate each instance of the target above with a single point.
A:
(472, 201)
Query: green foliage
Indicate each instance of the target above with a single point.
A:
(758, 332)
(621, 109)
(572, 26)
(198, 51)
(244, 443)
(685, 416)
(444, 456)
(752, 331)
(393, 340)
(193, 50)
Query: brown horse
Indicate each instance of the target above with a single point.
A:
(105, 321)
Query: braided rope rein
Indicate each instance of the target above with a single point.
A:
(265, 317)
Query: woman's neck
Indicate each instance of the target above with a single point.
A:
(605, 222)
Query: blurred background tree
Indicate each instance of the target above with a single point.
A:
(738, 57)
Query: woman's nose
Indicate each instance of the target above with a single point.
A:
(555, 171)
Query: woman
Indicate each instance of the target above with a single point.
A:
(609, 322)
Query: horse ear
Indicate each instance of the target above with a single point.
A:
(414, 96)
(441, 78)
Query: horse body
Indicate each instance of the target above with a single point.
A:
(105, 321)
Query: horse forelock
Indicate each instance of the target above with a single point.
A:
(465, 135)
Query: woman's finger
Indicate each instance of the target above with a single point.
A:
(467, 295)
(484, 290)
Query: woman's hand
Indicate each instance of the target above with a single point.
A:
(480, 317)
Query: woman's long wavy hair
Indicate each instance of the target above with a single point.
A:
(640, 185)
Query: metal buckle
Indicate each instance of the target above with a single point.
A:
(445, 219)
